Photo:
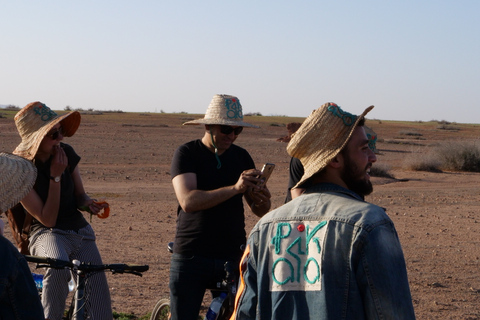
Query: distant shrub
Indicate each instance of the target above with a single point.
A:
(445, 122)
(410, 133)
(459, 156)
(448, 127)
(403, 142)
(453, 156)
(381, 170)
(12, 107)
(254, 114)
(423, 162)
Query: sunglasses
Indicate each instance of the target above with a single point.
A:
(54, 135)
(227, 130)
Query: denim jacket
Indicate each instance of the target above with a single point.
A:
(325, 255)
(19, 298)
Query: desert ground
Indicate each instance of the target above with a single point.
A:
(126, 160)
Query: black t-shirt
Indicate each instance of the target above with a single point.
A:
(296, 173)
(219, 231)
(69, 218)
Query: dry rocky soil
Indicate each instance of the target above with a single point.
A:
(126, 160)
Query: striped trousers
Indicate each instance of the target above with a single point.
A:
(69, 245)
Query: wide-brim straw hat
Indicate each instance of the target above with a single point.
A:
(321, 137)
(223, 110)
(35, 120)
(17, 177)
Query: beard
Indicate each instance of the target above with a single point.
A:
(355, 177)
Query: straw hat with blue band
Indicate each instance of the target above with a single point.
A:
(224, 110)
(35, 120)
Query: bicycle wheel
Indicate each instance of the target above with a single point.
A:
(161, 311)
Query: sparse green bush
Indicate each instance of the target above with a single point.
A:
(126, 316)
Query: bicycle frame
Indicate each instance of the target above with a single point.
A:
(161, 309)
(81, 270)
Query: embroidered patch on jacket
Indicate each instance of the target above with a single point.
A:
(348, 118)
(234, 108)
(296, 255)
(44, 112)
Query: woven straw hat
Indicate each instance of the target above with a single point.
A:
(35, 120)
(223, 110)
(321, 137)
(17, 177)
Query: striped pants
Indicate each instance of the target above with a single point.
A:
(69, 245)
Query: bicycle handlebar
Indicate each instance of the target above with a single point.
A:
(44, 262)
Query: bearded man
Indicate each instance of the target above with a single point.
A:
(327, 254)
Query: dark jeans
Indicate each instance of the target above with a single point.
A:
(190, 276)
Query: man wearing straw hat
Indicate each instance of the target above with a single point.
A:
(18, 295)
(296, 168)
(326, 254)
(210, 176)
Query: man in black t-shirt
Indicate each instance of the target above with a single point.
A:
(210, 176)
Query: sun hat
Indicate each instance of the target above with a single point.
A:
(35, 120)
(223, 110)
(17, 177)
(321, 137)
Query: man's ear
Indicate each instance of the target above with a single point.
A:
(337, 161)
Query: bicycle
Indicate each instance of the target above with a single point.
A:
(76, 310)
(161, 311)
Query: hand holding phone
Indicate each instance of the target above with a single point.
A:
(266, 172)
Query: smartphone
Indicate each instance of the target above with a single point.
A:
(266, 172)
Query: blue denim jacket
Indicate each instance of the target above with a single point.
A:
(19, 298)
(325, 255)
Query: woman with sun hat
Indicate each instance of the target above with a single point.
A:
(59, 230)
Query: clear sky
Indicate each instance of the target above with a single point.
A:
(413, 60)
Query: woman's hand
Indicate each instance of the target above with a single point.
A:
(85, 203)
(59, 162)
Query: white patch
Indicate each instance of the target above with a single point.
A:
(296, 255)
